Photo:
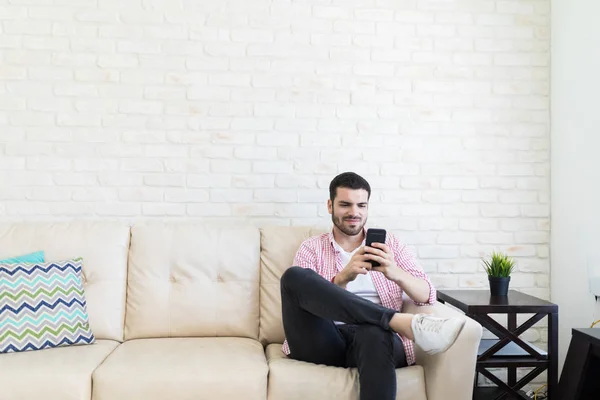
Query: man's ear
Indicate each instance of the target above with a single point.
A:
(329, 206)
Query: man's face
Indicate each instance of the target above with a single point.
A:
(349, 210)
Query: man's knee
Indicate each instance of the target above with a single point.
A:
(292, 274)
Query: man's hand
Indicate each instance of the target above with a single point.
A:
(416, 288)
(357, 266)
(382, 254)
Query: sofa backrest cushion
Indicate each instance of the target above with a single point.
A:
(279, 245)
(193, 279)
(103, 247)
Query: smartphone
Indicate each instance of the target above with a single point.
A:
(375, 236)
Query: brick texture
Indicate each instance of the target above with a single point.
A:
(244, 110)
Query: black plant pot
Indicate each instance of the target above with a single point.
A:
(499, 285)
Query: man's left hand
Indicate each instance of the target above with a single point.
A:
(382, 254)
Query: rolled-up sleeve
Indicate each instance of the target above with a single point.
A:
(406, 260)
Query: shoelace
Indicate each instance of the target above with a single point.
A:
(432, 325)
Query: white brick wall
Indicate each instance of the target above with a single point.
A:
(245, 109)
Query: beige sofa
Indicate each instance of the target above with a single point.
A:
(191, 311)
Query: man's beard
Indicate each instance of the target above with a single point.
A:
(339, 222)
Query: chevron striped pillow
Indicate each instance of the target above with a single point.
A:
(42, 305)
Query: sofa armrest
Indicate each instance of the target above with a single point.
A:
(449, 375)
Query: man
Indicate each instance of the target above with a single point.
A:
(340, 311)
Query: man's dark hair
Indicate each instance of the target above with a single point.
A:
(348, 180)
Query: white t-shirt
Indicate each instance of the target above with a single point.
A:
(363, 285)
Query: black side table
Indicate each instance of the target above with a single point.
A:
(509, 351)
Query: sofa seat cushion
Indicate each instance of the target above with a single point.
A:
(296, 380)
(184, 368)
(60, 373)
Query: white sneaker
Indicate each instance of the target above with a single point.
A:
(434, 334)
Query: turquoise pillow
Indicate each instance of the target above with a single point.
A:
(36, 257)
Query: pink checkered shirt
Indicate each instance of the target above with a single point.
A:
(319, 254)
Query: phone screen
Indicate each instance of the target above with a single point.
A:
(375, 236)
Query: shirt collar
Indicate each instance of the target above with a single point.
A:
(334, 244)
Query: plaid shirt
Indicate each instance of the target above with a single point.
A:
(319, 254)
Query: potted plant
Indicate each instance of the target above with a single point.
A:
(499, 267)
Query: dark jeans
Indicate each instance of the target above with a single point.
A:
(310, 304)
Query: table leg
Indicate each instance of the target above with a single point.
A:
(476, 383)
(552, 356)
(512, 371)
